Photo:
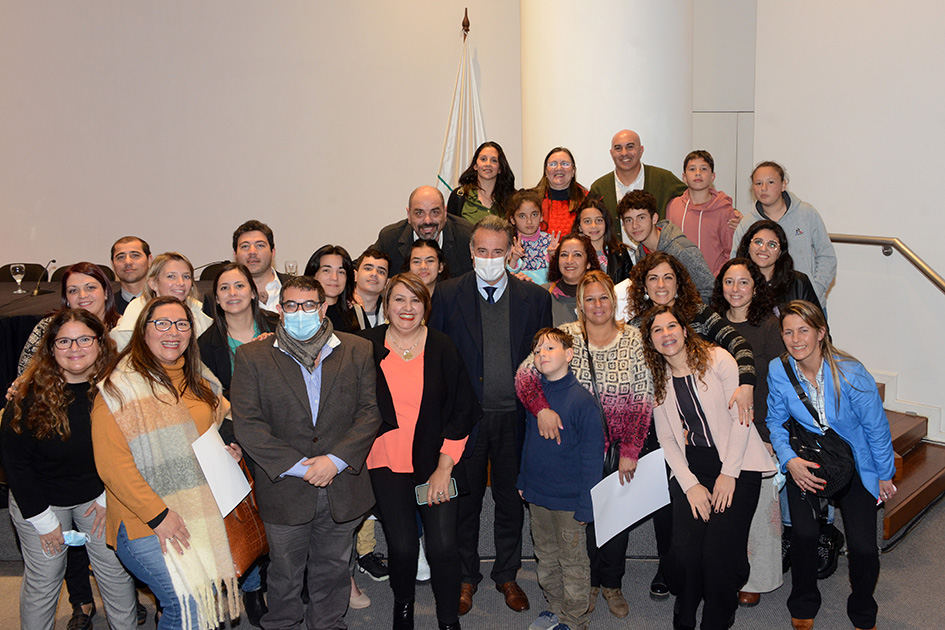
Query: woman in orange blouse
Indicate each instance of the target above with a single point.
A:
(429, 407)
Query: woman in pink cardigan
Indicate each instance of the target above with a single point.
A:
(716, 465)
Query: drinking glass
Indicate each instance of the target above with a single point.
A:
(291, 267)
(18, 271)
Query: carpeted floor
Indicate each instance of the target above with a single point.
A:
(909, 592)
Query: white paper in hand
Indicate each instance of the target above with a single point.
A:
(226, 480)
(618, 507)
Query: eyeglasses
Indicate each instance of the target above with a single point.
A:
(309, 306)
(564, 164)
(772, 245)
(64, 343)
(164, 325)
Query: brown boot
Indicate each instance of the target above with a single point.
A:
(595, 592)
(802, 624)
(747, 599)
(616, 602)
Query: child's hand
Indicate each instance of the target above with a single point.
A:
(553, 245)
(518, 252)
(735, 220)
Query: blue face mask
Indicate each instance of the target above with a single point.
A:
(301, 325)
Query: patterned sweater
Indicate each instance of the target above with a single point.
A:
(623, 380)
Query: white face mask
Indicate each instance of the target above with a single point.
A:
(489, 269)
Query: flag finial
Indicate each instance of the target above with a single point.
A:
(465, 24)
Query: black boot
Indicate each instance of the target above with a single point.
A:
(443, 625)
(255, 606)
(786, 549)
(828, 551)
(403, 616)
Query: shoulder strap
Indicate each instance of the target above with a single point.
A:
(800, 390)
(600, 406)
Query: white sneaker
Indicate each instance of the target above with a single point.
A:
(423, 567)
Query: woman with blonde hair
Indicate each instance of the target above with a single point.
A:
(170, 275)
(844, 396)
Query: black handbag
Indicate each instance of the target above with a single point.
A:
(612, 455)
(830, 451)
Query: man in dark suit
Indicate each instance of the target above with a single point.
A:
(131, 259)
(427, 218)
(254, 246)
(492, 317)
(304, 410)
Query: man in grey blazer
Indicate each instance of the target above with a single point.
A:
(304, 410)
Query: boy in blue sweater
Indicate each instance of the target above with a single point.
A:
(556, 480)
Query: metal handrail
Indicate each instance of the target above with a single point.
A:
(889, 243)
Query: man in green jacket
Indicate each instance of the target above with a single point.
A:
(630, 173)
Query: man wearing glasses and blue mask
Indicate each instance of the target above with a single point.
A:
(304, 410)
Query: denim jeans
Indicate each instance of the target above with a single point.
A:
(143, 557)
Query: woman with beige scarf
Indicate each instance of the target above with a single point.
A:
(162, 518)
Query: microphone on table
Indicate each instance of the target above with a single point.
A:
(37, 290)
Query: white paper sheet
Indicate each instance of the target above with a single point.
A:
(618, 507)
(226, 480)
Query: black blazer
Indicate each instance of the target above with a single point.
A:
(396, 238)
(448, 407)
(456, 313)
(215, 352)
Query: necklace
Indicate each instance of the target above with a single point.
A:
(405, 352)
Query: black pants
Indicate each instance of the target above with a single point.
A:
(397, 509)
(77, 576)
(859, 525)
(709, 560)
(496, 444)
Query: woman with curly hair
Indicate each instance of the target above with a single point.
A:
(608, 358)
(560, 192)
(716, 463)
(743, 298)
(593, 221)
(572, 258)
(485, 186)
(54, 487)
(766, 244)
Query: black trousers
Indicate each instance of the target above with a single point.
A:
(709, 560)
(496, 445)
(397, 510)
(859, 525)
(77, 576)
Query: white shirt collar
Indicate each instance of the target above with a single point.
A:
(500, 287)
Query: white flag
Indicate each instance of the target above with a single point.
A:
(465, 131)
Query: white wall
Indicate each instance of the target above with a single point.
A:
(848, 97)
(179, 120)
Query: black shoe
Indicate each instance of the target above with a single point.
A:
(403, 616)
(786, 549)
(141, 611)
(373, 564)
(255, 605)
(81, 621)
(828, 551)
(658, 588)
(448, 626)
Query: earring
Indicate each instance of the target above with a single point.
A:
(646, 296)
(676, 295)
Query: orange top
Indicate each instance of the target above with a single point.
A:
(394, 449)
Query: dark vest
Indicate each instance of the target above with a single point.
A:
(498, 384)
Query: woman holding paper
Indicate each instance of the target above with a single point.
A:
(54, 488)
(716, 463)
(162, 518)
(608, 354)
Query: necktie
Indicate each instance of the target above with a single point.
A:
(491, 298)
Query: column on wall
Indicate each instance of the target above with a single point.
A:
(591, 69)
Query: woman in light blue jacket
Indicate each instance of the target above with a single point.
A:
(847, 401)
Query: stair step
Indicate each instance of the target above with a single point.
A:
(923, 479)
(907, 430)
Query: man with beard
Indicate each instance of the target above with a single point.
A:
(131, 259)
(427, 218)
(254, 247)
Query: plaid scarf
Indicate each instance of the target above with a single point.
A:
(160, 431)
